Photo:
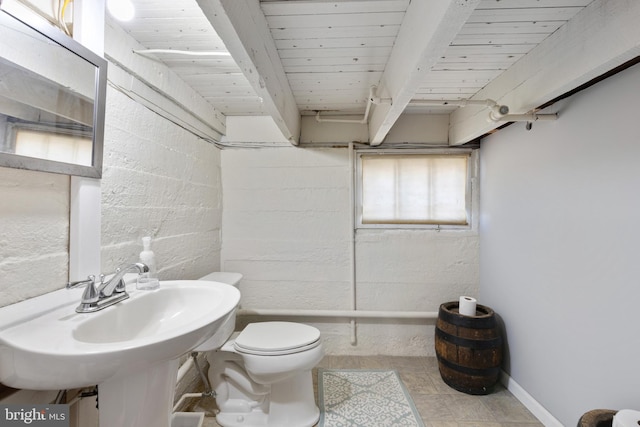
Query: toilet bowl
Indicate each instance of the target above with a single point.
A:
(262, 375)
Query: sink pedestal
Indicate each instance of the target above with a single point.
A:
(142, 397)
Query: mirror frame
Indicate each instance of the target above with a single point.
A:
(14, 11)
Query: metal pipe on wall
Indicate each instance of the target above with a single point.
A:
(497, 113)
(362, 121)
(370, 314)
(529, 117)
(184, 368)
(352, 240)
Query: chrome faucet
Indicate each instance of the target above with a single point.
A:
(107, 293)
(116, 283)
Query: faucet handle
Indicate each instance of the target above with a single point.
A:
(90, 279)
(91, 293)
(121, 286)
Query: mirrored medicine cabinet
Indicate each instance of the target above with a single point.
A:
(52, 97)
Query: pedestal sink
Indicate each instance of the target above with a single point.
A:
(130, 350)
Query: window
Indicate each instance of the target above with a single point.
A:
(404, 190)
(59, 147)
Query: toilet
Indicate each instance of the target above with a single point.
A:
(262, 375)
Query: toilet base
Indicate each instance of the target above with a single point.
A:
(242, 419)
(291, 404)
(253, 419)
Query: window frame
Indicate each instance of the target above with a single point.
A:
(14, 128)
(469, 196)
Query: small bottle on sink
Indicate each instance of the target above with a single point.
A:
(148, 281)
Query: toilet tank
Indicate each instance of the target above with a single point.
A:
(223, 277)
(222, 335)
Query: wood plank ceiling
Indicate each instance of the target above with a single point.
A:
(180, 26)
(332, 52)
(497, 34)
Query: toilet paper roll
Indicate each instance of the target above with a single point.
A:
(467, 306)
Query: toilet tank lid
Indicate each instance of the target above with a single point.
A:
(223, 277)
(276, 336)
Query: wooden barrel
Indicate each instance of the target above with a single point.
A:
(597, 418)
(469, 348)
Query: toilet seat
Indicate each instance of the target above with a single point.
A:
(276, 338)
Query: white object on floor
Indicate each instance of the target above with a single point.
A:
(187, 419)
(626, 418)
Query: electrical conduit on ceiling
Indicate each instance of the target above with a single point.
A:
(497, 113)
(362, 121)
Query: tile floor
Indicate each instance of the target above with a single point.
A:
(439, 405)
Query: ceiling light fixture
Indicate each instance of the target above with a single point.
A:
(122, 10)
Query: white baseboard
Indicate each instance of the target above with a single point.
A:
(529, 402)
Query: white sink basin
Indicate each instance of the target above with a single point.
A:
(171, 308)
(57, 348)
(46, 345)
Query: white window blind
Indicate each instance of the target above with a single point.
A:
(414, 189)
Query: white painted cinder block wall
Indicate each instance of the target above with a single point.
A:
(559, 250)
(286, 228)
(158, 179)
(34, 233)
(162, 181)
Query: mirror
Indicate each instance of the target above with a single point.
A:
(52, 97)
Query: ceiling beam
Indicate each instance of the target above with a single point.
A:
(427, 30)
(604, 35)
(243, 28)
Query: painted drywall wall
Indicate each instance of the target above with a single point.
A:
(558, 249)
(286, 228)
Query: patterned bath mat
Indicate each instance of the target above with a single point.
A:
(357, 398)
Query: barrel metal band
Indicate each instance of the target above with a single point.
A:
(469, 371)
(466, 342)
(467, 321)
